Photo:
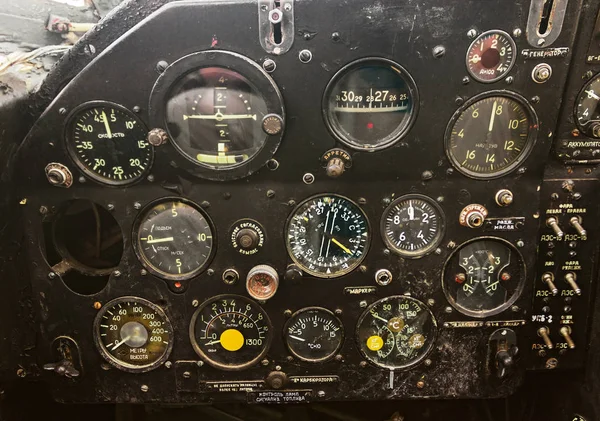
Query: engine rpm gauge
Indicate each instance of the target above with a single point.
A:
(230, 332)
(483, 277)
(396, 332)
(133, 334)
(174, 239)
(370, 103)
(313, 334)
(587, 110)
(491, 134)
(412, 225)
(108, 143)
(327, 236)
(491, 56)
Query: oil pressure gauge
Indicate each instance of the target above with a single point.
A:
(314, 334)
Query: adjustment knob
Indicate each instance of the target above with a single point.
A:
(552, 222)
(548, 279)
(571, 279)
(247, 238)
(596, 130)
(504, 197)
(565, 331)
(576, 223)
(293, 273)
(544, 333)
(335, 167)
(505, 361)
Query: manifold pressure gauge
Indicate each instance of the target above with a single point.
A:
(314, 334)
(412, 225)
(491, 56)
(133, 334)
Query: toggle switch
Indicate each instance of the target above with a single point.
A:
(548, 279)
(565, 331)
(544, 333)
(571, 278)
(576, 222)
(552, 222)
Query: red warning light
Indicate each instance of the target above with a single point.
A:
(370, 125)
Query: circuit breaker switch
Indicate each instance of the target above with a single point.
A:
(565, 331)
(544, 333)
(548, 279)
(576, 223)
(552, 222)
(571, 279)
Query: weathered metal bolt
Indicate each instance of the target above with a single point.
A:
(439, 51)
(187, 375)
(144, 388)
(168, 364)
(305, 56)
(195, 303)
(269, 65)
(157, 137)
(97, 305)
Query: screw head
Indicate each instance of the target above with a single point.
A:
(97, 305)
(509, 80)
(362, 304)
(517, 32)
(195, 303)
(161, 66)
(439, 51)
(144, 388)
(265, 362)
(168, 364)
(305, 56)
(269, 65)
(308, 178)
(472, 33)
(321, 393)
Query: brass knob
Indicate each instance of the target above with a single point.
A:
(565, 331)
(552, 222)
(571, 278)
(548, 279)
(544, 333)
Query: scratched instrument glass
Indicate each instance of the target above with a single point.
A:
(214, 117)
(174, 239)
(328, 236)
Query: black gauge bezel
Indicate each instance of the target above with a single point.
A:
(205, 357)
(422, 252)
(578, 99)
(336, 274)
(518, 291)
(530, 142)
(238, 63)
(142, 259)
(485, 34)
(399, 133)
(68, 142)
(412, 363)
(115, 362)
(298, 313)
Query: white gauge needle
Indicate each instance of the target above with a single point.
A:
(592, 94)
(118, 344)
(297, 338)
(380, 318)
(212, 342)
(411, 211)
(491, 126)
(218, 116)
(106, 125)
(160, 240)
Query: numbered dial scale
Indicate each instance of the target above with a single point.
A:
(483, 277)
(370, 103)
(230, 332)
(412, 225)
(108, 143)
(133, 334)
(314, 334)
(587, 111)
(327, 236)
(491, 56)
(174, 239)
(491, 134)
(396, 332)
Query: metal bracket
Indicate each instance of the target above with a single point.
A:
(276, 25)
(545, 21)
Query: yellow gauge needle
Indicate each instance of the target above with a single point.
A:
(159, 240)
(106, 125)
(218, 116)
(340, 245)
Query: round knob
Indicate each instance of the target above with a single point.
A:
(277, 379)
(157, 137)
(596, 130)
(335, 167)
(247, 238)
(292, 273)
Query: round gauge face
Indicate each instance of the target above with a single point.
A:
(214, 116)
(133, 334)
(314, 334)
(370, 103)
(483, 277)
(412, 225)
(230, 332)
(328, 236)
(587, 110)
(174, 239)
(491, 56)
(108, 143)
(490, 136)
(396, 332)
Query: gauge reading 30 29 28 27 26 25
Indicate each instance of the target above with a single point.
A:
(108, 143)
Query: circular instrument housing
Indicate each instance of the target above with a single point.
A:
(133, 334)
(328, 235)
(396, 332)
(230, 332)
(412, 225)
(212, 104)
(587, 110)
(491, 56)
(174, 239)
(483, 277)
(491, 134)
(314, 334)
(108, 143)
(370, 104)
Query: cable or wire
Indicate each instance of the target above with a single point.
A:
(19, 57)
